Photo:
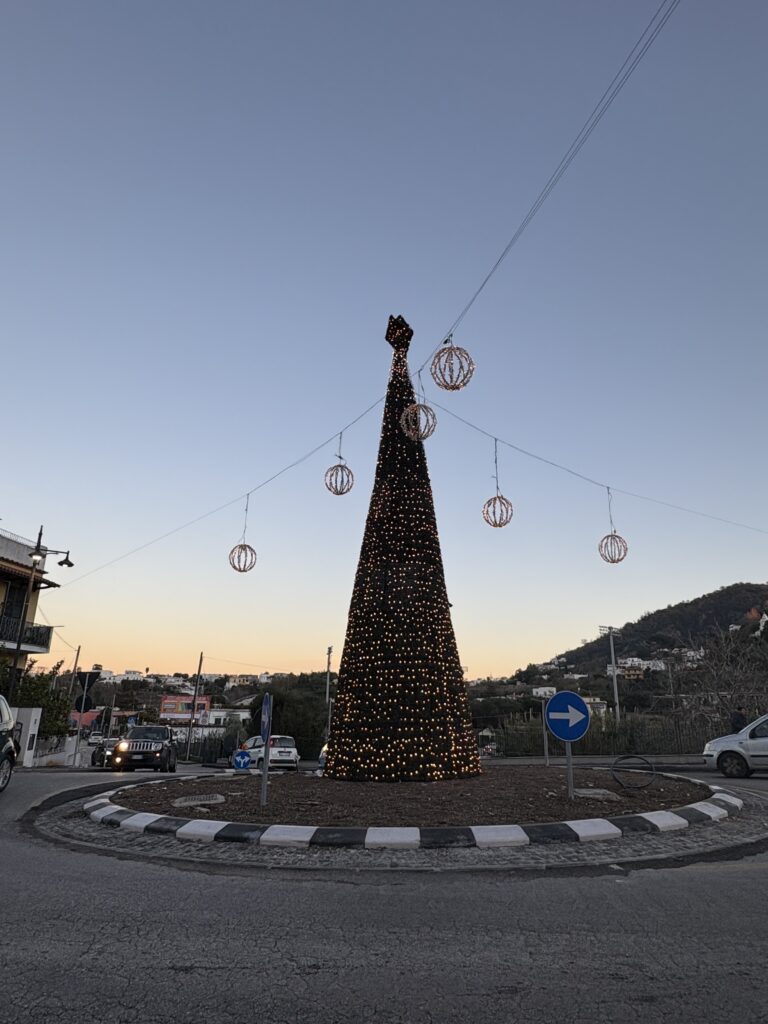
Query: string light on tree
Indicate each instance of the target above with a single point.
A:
(497, 511)
(418, 420)
(340, 479)
(242, 557)
(452, 367)
(401, 710)
(613, 548)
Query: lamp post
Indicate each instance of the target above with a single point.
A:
(37, 557)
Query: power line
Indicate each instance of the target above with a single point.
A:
(635, 55)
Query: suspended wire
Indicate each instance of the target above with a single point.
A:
(635, 55)
(226, 504)
(245, 521)
(56, 633)
(610, 509)
(600, 483)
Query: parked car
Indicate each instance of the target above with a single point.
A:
(146, 746)
(740, 753)
(102, 755)
(8, 749)
(94, 739)
(282, 752)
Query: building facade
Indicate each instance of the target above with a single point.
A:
(16, 573)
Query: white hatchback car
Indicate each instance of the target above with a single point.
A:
(741, 753)
(282, 752)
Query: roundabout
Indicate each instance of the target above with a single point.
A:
(719, 825)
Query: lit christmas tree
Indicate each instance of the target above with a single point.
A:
(401, 710)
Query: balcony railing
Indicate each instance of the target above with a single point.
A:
(33, 635)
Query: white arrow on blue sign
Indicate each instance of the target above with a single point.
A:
(567, 716)
(241, 760)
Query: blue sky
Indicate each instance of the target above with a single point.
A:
(209, 212)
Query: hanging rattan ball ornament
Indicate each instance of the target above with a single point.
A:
(498, 511)
(339, 479)
(613, 548)
(242, 558)
(452, 368)
(418, 421)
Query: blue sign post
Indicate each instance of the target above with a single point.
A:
(241, 759)
(567, 718)
(266, 728)
(266, 716)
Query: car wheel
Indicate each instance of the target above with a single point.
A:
(733, 766)
(259, 764)
(172, 766)
(6, 770)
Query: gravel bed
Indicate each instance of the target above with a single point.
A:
(500, 796)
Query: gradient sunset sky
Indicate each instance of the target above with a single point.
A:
(209, 211)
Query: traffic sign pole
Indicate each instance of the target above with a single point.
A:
(569, 768)
(568, 718)
(266, 726)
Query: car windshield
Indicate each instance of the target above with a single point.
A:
(281, 741)
(147, 732)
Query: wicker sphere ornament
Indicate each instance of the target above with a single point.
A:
(418, 421)
(452, 368)
(613, 548)
(339, 479)
(242, 558)
(498, 511)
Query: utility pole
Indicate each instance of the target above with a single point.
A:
(74, 673)
(610, 632)
(80, 717)
(194, 705)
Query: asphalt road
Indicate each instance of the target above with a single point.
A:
(91, 937)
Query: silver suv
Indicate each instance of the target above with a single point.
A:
(741, 753)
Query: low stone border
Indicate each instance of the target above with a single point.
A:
(720, 805)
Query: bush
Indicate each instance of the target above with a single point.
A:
(635, 734)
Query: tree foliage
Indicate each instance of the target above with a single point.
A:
(39, 691)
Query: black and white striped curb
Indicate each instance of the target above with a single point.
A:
(719, 805)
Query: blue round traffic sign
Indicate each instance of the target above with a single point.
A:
(567, 716)
(241, 760)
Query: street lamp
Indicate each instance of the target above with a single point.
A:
(37, 557)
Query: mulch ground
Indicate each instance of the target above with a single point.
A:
(503, 795)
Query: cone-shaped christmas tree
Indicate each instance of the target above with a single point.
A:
(401, 710)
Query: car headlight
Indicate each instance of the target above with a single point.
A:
(122, 746)
(157, 746)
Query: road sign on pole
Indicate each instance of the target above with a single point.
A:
(266, 716)
(241, 759)
(266, 727)
(567, 718)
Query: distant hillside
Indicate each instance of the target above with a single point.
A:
(679, 625)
